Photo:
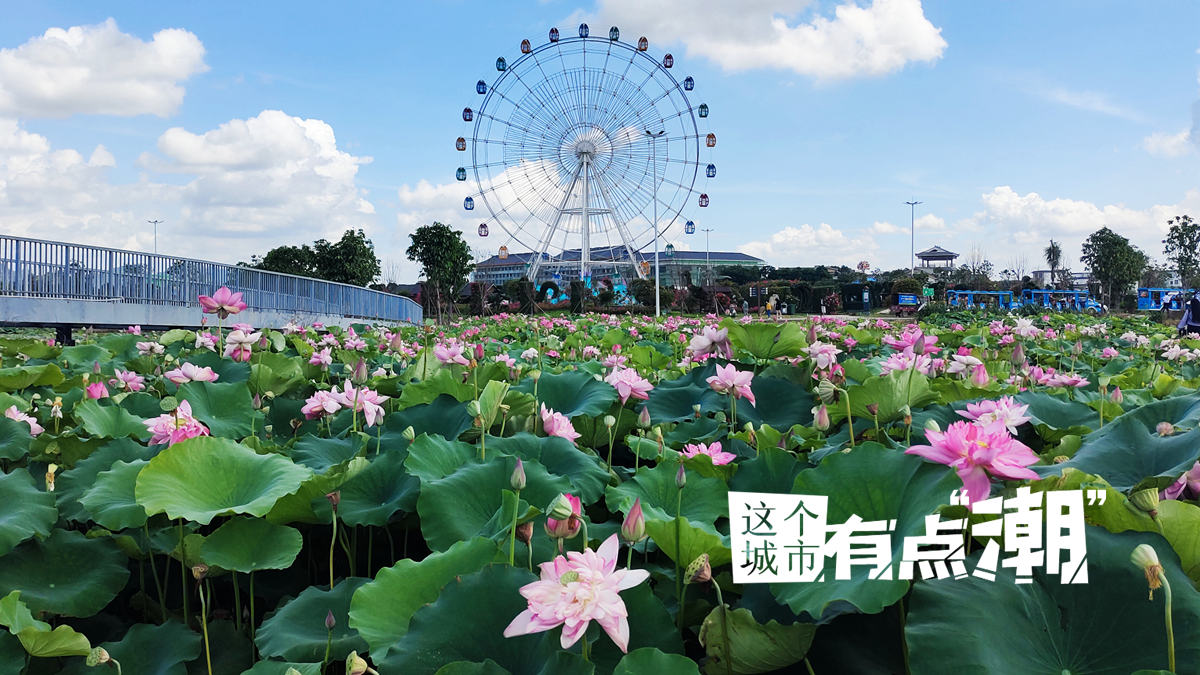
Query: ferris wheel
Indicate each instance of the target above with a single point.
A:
(585, 144)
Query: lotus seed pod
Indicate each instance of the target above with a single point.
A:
(932, 425)
(609, 421)
(560, 508)
(699, 571)
(1146, 500)
(473, 409)
(1146, 558)
(200, 571)
(409, 433)
(98, 656)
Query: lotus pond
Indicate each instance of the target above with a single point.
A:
(551, 495)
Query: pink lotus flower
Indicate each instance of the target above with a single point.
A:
(591, 351)
(980, 377)
(1109, 353)
(189, 372)
(569, 527)
(128, 380)
(175, 426)
(95, 390)
(450, 352)
(321, 358)
(242, 326)
(365, 400)
(730, 380)
(633, 528)
(222, 303)
(975, 452)
(321, 403)
(909, 340)
(575, 590)
(206, 341)
(238, 345)
(506, 360)
(823, 355)
(13, 414)
(628, 383)
(962, 364)
(1006, 411)
(147, 348)
(714, 451)
(557, 424)
(711, 340)
(134, 330)
(1188, 483)
(615, 360)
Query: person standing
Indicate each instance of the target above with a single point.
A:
(1190, 321)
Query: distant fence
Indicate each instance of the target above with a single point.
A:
(48, 269)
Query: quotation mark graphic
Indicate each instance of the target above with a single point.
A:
(1095, 497)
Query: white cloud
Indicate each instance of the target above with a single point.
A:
(928, 222)
(876, 39)
(1169, 145)
(807, 245)
(98, 70)
(1092, 101)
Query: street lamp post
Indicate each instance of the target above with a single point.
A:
(654, 135)
(912, 244)
(155, 224)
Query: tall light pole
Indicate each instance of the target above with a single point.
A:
(654, 135)
(707, 257)
(155, 224)
(912, 244)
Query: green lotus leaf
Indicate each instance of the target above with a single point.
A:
(651, 626)
(1051, 627)
(377, 492)
(283, 668)
(487, 667)
(74, 482)
(382, 609)
(16, 617)
(12, 655)
(737, 643)
(1056, 412)
(111, 499)
(442, 382)
(766, 340)
(694, 538)
(150, 650)
(224, 407)
(673, 400)
(778, 402)
(22, 377)
(249, 544)
(704, 498)
(890, 392)
(15, 438)
(773, 470)
(571, 393)
(205, 477)
(62, 641)
(276, 373)
(66, 573)
(85, 356)
(296, 629)
(444, 415)
(432, 457)
(322, 454)
(308, 504)
(651, 660)
(27, 510)
(109, 421)
(875, 483)
(492, 599)
(561, 458)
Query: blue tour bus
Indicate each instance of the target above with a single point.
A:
(1061, 301)
(1153, 299)
(977, 299)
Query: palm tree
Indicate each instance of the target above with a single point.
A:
(1053, 255)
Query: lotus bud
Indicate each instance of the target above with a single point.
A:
(1146, 500)
(680, 477)
(525, 532)
(256, 402)
(1146, 558)
(396, 343)
(359, 376)
(699, 571)
(355, 665)
(86, 377)
(535, 375)
(821, 417)
(1078, 348)
(98, 656)
(696, 411)
(517, 479)
(473, 409)
(873, 409)
(1116, 396)
(812, 333)
(658, 434)
(826, 391)
(1165, 428)
(919, 346)
(1018, 354)
(409, 434)
(96, 367)
(633, 528)
(330, 622)
(478, 351)
(644, 418)
(200, 571)
(291, 671)
(334, 498)
(932, 425)
(609, 421)
(980, 377)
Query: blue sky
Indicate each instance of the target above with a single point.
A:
(248, 125)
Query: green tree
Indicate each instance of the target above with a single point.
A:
(350, 260)
(298, 260)
(445, 261)
(1182, 247)
(1053, 254)
(1113, 262)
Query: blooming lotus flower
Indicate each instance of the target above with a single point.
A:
(365, 400)
(13, 414)
(566, 528)
(911, 340)
(322, 358)
(147, 348)
(615, 361)
(557, 424)
(95, 390)
(1187, 486)
(321, 403)
(1067, 380)
(244, 327)
(134, 330)
(711, 340)
(506, 360)
(1006, 410)
(714, 451)
(960, 363)
(975, 452)
(575, 590)
(628, 384)
(730, 380)
(823, 355)
(128, 380)
(238, 345)
(206, 341)
(450, 352)
(530, 354)
(175, 426)
(1109, 353)
(591, 351)
(189, 372)
(222, 303)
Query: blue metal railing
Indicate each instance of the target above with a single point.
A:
(51, 269)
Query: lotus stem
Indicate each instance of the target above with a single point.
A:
(1169, 624)
(204, 625)
(237, 602)
(183, 574)
(678, 553)
(849, 418)
(253, 626)
(332, 545)
(162, 603)
(512, 533)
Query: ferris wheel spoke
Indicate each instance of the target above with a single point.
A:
(532, 92)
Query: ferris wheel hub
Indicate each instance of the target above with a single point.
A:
(585, 147)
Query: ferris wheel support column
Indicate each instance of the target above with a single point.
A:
(621, 229)
(585, 250)
(654, 178)
(545, 243)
